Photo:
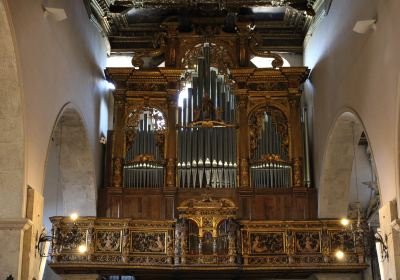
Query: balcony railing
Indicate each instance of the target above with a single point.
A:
(125, 244)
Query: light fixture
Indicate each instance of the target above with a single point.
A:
(345, 222)
(73, 237)
(54, 9)
(382, 241)
(74, 216)
(82, 249)
(363, 26)
(339, 254)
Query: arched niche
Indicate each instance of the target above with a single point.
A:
(69, 176)
(340, 188)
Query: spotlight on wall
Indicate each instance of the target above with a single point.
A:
(363, 26)
(54, 10)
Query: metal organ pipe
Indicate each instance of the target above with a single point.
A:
(140, 172)
(270, 167)
(306, 149)
(207, 153)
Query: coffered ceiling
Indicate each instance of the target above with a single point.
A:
(133, 25)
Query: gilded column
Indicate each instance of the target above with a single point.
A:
(242, 139)
(119, 138)
(296, 143)
(171, 140)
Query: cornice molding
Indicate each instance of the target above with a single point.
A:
(15, 224)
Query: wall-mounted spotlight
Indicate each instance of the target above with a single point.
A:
(363, 26)
(54, 9)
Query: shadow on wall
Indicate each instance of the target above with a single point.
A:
(337, 166)
(69, 178)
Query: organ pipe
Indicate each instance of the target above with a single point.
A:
(270, 167)
(144, 166)
(307, 176)
(206, 133)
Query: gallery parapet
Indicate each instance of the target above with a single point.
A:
(126, 244)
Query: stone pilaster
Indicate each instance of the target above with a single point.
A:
(12, 236)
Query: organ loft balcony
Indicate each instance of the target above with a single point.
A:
(207, 169)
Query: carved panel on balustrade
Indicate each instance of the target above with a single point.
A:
(342, 240)
(267, 243)
(307, 242)
(108, 241)
(148, 242)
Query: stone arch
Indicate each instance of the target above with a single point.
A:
(337, 165)
(69, 175)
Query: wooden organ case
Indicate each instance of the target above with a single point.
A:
(210, 125)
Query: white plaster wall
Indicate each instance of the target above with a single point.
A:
(358, 71)
(59, 62)
(45, 64)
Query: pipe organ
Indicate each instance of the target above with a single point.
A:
(206, 129)
(208, 122)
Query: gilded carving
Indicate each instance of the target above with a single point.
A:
(148, 87)
(307, 242)
(148, 242)
(298, 172)
(151, 244)
(108, 241)
(267, 243)
(267, 86)
(118, 162)
(342, 240)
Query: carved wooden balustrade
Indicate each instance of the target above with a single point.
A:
(121, 245)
